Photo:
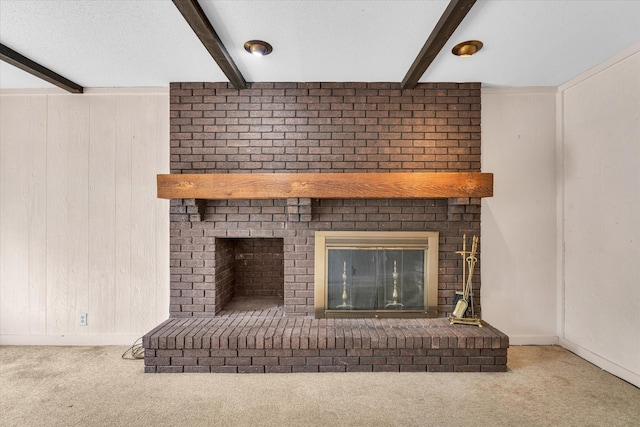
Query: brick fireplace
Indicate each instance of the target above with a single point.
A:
(225, 249)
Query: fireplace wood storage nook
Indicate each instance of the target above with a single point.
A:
(244, 336)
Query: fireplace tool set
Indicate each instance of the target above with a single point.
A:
(465, 301)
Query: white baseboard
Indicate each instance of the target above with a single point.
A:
(77, 340)
(607, 365)
(533, 340)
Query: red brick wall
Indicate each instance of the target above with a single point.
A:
(317, 127)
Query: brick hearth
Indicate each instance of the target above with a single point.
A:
(262, 341)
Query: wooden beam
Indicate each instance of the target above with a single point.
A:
(326, 185)
(200, 24)
(14, 58)
(449, 21)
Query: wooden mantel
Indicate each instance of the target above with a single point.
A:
(404, 185)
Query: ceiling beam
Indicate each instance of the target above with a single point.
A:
(12, 57)
(449, 21)
(200, 24)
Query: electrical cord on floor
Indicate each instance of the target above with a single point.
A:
(136, 351)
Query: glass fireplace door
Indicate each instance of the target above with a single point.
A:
(375, 279)
(376, 274)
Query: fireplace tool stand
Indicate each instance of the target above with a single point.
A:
(459, 314)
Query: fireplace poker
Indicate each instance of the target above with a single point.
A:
(464, 268)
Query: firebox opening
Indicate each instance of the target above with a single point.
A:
(376, 274)
(250, 270)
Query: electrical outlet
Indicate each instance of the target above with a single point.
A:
(83, 319)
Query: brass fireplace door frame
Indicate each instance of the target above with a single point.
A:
(325, 240)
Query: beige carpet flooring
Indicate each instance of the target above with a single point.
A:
(93, 386)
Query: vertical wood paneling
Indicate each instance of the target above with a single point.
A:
(37, 217)
(77, 108)
(162, 211)
(126, 116)
(600, 212)
(143, 250)
(81, 229)
(518, 141)
(102, 200)
(67, 155)
(58, 123)
(15, 201)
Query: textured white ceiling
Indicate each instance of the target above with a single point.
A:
(326, 40)
(106, 43)
(134, 43)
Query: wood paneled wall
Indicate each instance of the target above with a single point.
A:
(519, 222)
(600, 231)
(81, 228)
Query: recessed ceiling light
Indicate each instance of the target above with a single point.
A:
(258, 47)
(467, 48)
